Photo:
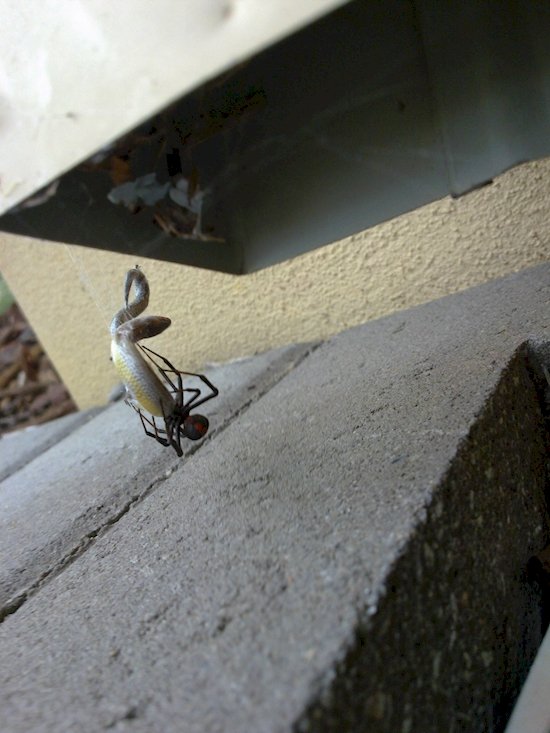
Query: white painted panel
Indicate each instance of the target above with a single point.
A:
(75, 74)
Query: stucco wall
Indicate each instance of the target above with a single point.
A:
(70, 293)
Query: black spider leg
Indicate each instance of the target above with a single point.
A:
(172, 425)
(152, 423)
(195, 400)
(178, 391)
(171, 422)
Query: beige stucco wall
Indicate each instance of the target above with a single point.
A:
(70, 293)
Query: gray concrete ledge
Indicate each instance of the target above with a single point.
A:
(22, 446)
(69, 494)
(347, 554)
(454, 629)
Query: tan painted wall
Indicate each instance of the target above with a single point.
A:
(70, 293)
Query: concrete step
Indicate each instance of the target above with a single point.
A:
(70, 492)
(22, 446)
(346, 552)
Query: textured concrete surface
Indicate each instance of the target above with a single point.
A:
(17, 449)
(347, 554)
(54, 506)
(436, 250)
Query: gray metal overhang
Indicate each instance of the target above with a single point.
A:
(370, 111)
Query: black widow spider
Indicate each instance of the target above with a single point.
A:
(179, 422)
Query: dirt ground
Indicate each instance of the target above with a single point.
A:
(31, 392)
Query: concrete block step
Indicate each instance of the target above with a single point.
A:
(22, 446)
(67, 495)
(347, 554)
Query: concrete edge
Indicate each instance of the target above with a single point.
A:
(351, 698)
(29, 443)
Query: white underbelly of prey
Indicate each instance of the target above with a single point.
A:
(142, 383)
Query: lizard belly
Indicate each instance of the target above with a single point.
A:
(142, 383)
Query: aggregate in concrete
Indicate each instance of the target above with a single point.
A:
(348, 554)
(58, 502)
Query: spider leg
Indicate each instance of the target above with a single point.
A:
(172, 428)
(176, 443)
(157, 434)
(195, 401)
(185, 405)
(164, 372)
(167, 436)
(173, 422)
